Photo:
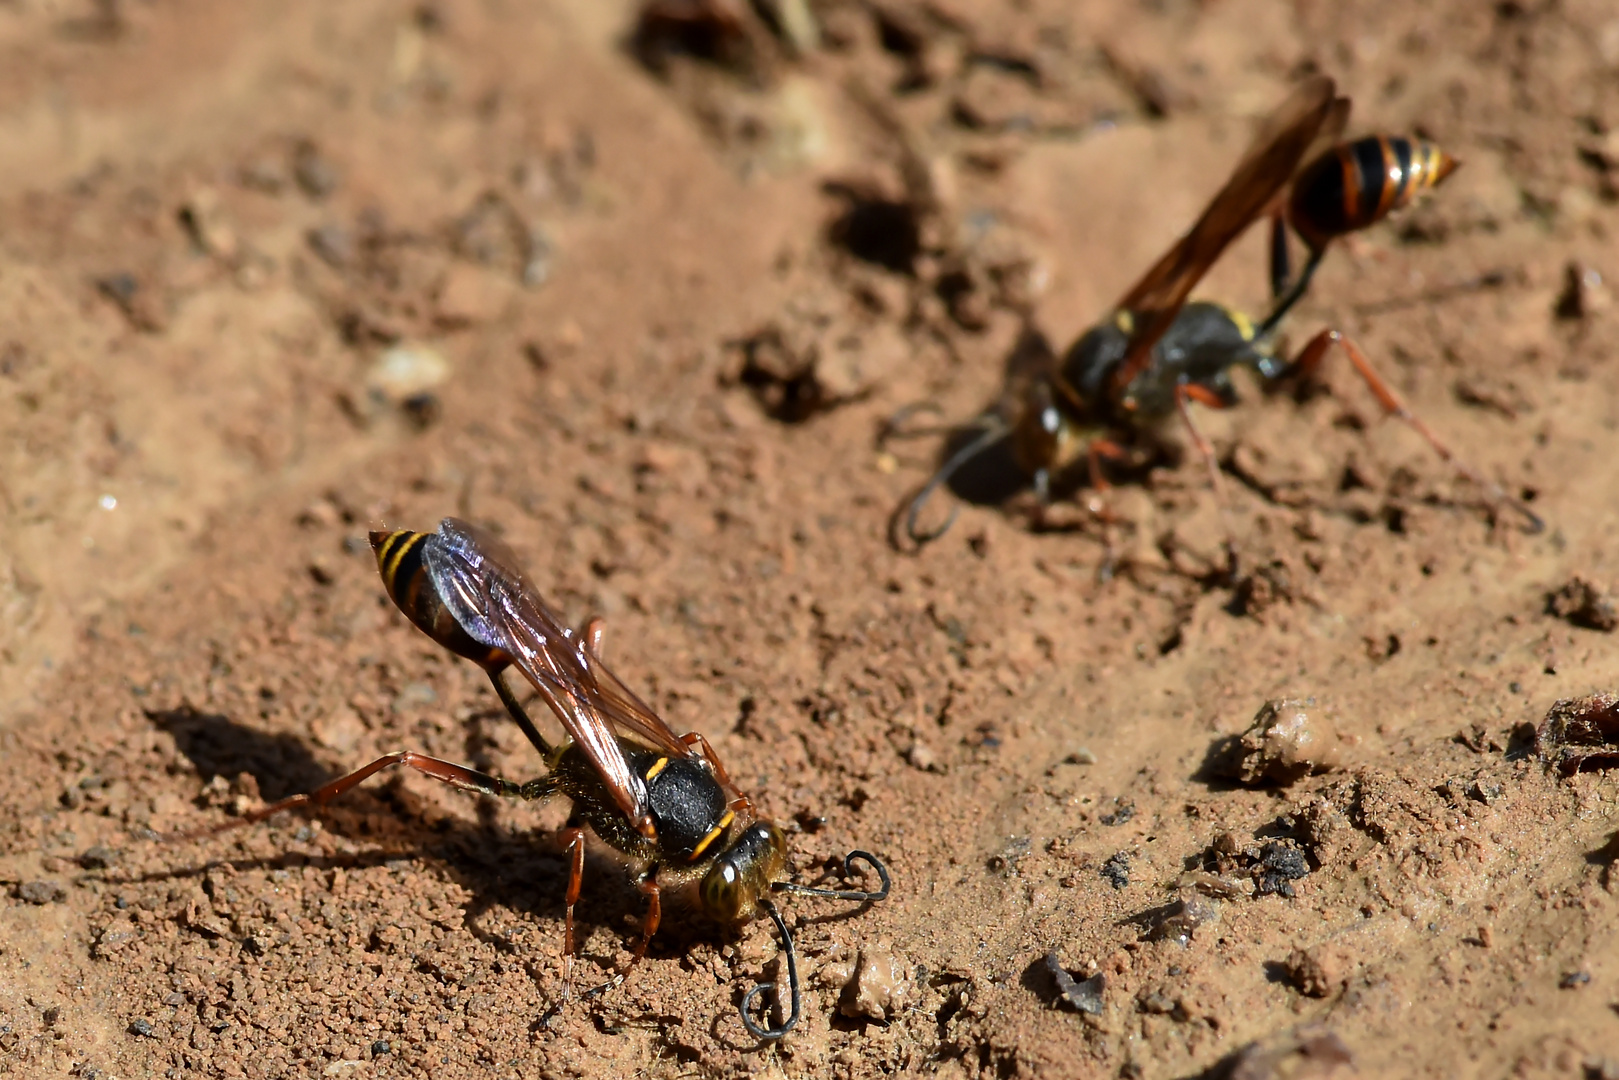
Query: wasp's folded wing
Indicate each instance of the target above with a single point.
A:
(460, 558)
(478, 577)
(626, 709)
(1265, 170)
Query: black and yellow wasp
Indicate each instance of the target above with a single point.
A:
(661, 799)
(1156, 354)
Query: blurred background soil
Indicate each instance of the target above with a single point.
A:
(638, 288)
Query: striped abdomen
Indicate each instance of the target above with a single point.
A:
(410, 585)
(1356, 184)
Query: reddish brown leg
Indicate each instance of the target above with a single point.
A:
(1184, 394)
(739, 802)
(458, 776)
(574, 842)
(1309, 359)
(1095, 452)
(648, 884)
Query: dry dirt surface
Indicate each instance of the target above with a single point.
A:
(638, 289)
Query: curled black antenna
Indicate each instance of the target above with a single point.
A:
(894, 427)
(771, 1034)
(991, 430)
(860, 895)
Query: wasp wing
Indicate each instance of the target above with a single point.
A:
(478, 578)
(626, 709)
(485, 557)
(1276, 152)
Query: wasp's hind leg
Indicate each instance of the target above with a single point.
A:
(1285, 291)
(573, 842)
(514, 708)
(647, 882)
(1096, 452)
(1309, 360)
(1185, 394)
(457, 776)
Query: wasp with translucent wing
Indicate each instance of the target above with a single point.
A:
(662, 799)
(1156, 355)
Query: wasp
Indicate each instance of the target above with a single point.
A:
(1156, 354)
(662, 800)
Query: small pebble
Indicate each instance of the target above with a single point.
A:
(877, 989)
(1086, 996)
(405, 372)
(922, 757)
(41, 892)
(97, 858)
(1116, 871)
(314, 171)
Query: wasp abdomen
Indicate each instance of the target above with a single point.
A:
(409, 583)
(1357, 184)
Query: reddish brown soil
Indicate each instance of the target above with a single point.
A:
(216, 217)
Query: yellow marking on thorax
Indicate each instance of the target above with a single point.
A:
(1244, 325)
(1125, 321)
(713, 834)
(657, 767)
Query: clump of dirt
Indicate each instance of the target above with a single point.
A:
(1586, 604)
(1289, 739)
(1580, 733)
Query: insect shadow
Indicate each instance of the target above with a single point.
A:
(977, 463)
(521, 869)
(218, 746)
(501, 866)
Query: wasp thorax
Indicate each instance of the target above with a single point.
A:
(687, 805)
(743, 872)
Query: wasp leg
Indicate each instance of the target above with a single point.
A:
(517, 712)
(739, 801)
(1309, 359)
(573, 838)
(1095, 452)
(1283, 295)
(457, 776)
(1185, 393)
(647, 882)
(1281, 262)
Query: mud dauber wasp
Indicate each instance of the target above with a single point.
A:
(661, 799)
(1156, 354)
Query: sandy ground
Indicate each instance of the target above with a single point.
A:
(274, 273)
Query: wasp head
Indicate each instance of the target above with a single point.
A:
(742, 873)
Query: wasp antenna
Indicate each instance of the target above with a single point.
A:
(993, 429)
(894, 427)
(860, 895)
(771, 1034)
